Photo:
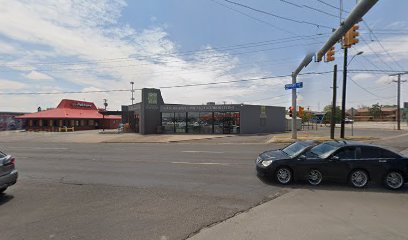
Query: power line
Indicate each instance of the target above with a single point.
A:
(278, 16)
(254, 18)
(309, 7)
(379, 43)
(365, 89)
(163, 87)
(174, 61)
(183, 53)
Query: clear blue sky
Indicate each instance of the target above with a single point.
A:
(103, 45)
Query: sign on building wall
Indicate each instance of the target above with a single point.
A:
(152, 98)
(197, 108)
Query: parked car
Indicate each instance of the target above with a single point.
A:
(348, 120)
(344, 161)
(8, 172)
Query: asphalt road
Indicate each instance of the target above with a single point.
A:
(128, 191)
(135, 191)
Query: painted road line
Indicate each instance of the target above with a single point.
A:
(39, 148)
(205, 163)
(202, 152)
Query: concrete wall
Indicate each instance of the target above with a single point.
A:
(256, 120)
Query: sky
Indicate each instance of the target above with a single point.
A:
(59, 47)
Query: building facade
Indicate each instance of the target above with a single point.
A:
(8, 121)
(73, 114)
(152, 115)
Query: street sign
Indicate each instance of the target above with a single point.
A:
(292, 86)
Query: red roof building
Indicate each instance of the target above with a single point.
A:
(72, 114)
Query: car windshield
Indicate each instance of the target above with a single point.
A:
(2, 154)
(323, 150)
(294, 149)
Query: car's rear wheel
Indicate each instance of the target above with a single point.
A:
(3, 189)
(359, 178)
(394, 180)
(314, 177)
(283, 175)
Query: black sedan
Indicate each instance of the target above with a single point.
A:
(8, 172)
(345, 161)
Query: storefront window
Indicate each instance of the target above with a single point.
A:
(180, 122)
(193, 124)
(227, 122)
(206, 122)
(168, 122)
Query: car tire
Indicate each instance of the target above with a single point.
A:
(314, 177)
(3, 189)
(394, 180)
(358, 178)
(283, 175)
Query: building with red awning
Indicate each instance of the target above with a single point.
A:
(72, 114)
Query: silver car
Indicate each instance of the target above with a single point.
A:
(8, 172)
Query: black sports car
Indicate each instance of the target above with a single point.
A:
(345, 161)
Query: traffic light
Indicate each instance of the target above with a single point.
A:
(290, 111)
(330, 55)
(301, 112)
(350, 38)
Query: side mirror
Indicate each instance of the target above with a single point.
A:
(302, 157)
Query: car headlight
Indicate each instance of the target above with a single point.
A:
(266, 163)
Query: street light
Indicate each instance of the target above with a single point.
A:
(359, 53)
(132, 92)
(343, 104)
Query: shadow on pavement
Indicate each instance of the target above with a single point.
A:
(4, 198)
(333, 186)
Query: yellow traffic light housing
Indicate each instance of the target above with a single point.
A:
(350, 38)
(301, 111)
(330, 55)
(353, 34)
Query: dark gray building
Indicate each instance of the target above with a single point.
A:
(152, 115)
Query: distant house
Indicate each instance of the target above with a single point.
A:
(387, 114)
(78, 115)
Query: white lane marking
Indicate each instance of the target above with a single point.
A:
(191, 163)
(39, 148)
(202, 152)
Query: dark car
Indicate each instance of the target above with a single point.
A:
(8, 172)
(345, 161)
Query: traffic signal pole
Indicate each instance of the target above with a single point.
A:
(294, 111)
(303, 64)
(343, 97)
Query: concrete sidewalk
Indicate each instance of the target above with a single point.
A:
(320, 215)
(97, 136)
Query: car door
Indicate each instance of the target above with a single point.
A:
(339, 163)
(373, 161)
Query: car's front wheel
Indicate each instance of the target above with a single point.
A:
(394, 180)
(314, 177)
(283, 175)
(359, 178)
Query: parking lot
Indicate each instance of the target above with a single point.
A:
(173, 190)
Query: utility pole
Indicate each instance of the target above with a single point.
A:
(399, 98)
(333, 110)
(343, 97)
(105, 104)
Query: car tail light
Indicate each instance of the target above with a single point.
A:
(11, 161)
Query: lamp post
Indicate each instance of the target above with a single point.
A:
(343, 100)
(132, 83)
